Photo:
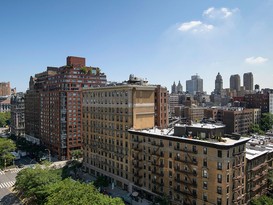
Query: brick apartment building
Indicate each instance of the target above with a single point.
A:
(108, 113)
(237, 120)
(53, 105)
(161, 107)
(5, 89)
(192, 164)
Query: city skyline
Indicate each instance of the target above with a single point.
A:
(148, 39)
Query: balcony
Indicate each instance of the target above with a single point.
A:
(160, 174)
(138, 175)
(178, 169)
(186, 161)
(157, 144)
(186, 192)
(159, 165)
(138, 165)
(256, 188)
(157, 153)
(137, 148)
(157, 182)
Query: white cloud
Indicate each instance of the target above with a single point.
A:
(255, 60)
(195, 26)
(221, 13)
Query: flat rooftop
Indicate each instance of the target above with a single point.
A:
(202, 125)
(168, 133)
(253, 153)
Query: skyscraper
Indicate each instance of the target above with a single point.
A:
(174, 88)
(195, 84)
(218, 84)
(179, 87)
(235, 82)
(248, 81)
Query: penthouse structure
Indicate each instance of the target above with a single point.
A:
(53, 105)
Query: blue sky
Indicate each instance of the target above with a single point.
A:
(163, 41)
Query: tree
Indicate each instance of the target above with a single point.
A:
(32, 183)
(101, 182)
(266, 121)
(263, 200)
(76, 154)
(6, 146)
(73, 192)
(4, 119)
(255, 128)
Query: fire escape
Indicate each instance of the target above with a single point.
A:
(157, 167)
(137, 162)
(184, 165)
(238, 186)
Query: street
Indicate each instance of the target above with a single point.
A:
(8, 178)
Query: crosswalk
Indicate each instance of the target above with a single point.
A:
(7, 184)
(11, 171)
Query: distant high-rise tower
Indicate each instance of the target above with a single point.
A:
(248, 81)
(195, 84)
(235, 82)
(179, 87)
(174, 88)
(218, 84)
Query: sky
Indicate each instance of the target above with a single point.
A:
(161, 41)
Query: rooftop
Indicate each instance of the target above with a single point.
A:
(168, 133)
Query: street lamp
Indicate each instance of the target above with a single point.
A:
(48, 154)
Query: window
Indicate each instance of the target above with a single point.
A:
(205, 163)
(219, 201)
(205, 185)
(220, 153)
(205, 173)
(219, 190)
(205, 197)
(219, 165)
(170, 165)
(219, 178)
(205, 150)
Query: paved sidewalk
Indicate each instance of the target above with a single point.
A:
(117, 192)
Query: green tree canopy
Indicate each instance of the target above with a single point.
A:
(266, 121)
(44, 186)
(263, 200)
(6, 146)
(255, 128)
(4, 119)
(73, 192)
(32, 183)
